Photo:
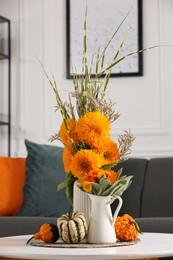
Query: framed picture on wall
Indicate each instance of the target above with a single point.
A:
(103, 19)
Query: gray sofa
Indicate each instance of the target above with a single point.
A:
(149, 200)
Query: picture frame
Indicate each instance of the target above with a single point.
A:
(103, 18)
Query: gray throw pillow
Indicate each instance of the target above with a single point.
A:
(44, 171)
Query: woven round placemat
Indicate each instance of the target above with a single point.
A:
(83, 244)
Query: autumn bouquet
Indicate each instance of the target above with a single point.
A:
(89, 154)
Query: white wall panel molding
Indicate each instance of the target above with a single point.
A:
(143, 131)
(31, 82)
(54, 60)
(156, 139)
(47, 63)
(165, 76)
(12, 10)
(18, 68)
(22, 54)
(20, 88)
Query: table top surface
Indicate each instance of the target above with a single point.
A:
(151, 245)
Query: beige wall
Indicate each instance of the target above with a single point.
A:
(145, 103)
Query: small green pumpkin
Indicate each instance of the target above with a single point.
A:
(72, 227)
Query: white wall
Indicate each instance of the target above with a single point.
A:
(145, 103)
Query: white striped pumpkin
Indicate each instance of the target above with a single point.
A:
(72, 228)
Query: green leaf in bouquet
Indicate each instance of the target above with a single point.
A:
(104, 184)
(108, 166)
(119, 173)
(123, 185)
(111, 189)
(123, 182)
(69, 181)
(102, 178)
(116, 189)
(63, 184)
(95, 187)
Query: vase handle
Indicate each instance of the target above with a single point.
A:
(117, 209)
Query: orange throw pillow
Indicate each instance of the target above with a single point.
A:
(12, 179)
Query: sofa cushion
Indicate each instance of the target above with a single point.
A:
(132, 196)
(44, 171)
(158, 225)
(12, 178)
(17, 225)
(157, 197)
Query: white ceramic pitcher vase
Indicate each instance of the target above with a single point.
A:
(101, 223)
(81, 202)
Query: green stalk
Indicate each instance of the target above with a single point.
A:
(132, 53)
(107, 77)
(102, 56)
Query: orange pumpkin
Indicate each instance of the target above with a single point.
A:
(48, 233)
(126, 228)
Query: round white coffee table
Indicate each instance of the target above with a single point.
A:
(151, 245)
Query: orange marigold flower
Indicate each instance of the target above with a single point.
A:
(95, 175)
(67, 156)
(92, 176)
(92, 126)
(65, 137)
(111, 176)
(126, 228)
(87, 186)
(85, 161)
(85, 178)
